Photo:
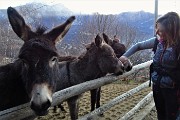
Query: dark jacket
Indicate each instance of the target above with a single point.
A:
(168, 63)
(164, 64)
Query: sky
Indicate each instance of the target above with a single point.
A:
(104, 6)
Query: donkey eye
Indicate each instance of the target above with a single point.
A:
(54, 58)
(52, 61)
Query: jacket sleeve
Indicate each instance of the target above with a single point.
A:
(147, 44)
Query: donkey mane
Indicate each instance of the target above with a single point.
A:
(40, 30)
(66, 58)
(89, 48)
(45, 45)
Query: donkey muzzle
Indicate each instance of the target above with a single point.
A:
(41, 99)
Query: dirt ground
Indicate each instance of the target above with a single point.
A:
(108, 93)
(152, 115)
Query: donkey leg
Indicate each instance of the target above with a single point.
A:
(93, 98)
(73, 107)
(98, 97)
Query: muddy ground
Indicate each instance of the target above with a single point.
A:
(108, 93)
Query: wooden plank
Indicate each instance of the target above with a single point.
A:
(144, 111)
(17, 113)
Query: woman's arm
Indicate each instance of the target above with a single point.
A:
(148, 44)
(138, 46)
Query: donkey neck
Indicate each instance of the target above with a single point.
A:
(15, 93)
(86, 69)
(79, 72)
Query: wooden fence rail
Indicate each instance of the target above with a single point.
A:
(24, 111)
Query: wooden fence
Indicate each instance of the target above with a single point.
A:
(24, 111)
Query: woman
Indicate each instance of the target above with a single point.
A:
(166, 87)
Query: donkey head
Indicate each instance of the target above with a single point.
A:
(119, 50)
(39, 60)
(104, 56)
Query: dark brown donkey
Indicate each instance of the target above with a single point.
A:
(96, 93)
(119, 50)
(33, 76)
(98, 59)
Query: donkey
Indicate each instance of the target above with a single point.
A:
(98, 59)
(95, 93)
(119, 50)
(33, 76)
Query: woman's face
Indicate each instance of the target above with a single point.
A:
(160, 31)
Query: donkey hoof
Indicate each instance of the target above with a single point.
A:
(55, 109)
(63, 110)
(101, 114)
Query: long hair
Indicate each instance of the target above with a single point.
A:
(171, 24)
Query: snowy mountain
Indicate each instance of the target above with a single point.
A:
(52, 15)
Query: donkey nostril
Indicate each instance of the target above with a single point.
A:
(33, 106)
(42, 109)
(46, 105)
(122, 67)
(128, 68)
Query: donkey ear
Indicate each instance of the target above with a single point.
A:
(18, 24)
(98, 41)
(61, 30)
(105, 37)
(87, 46)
